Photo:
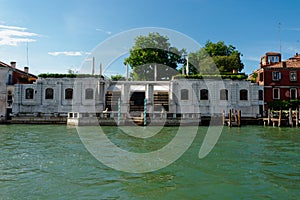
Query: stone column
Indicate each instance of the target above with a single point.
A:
(125, 96)
(149, 90)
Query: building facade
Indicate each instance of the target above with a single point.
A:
(191, 98)
(280, 79)
(9, 76)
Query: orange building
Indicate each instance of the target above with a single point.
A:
(281, 79)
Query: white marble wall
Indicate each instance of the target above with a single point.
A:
(193, 104)
(59, 104)
(249, 107)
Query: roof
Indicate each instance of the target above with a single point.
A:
(293, 62)
(272, 53)
(2, 64)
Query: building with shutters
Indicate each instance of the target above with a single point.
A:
(280, 79)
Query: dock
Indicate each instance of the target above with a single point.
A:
(283, 118)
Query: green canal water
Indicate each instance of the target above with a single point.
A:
(50, 162)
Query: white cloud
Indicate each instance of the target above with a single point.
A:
(104, 31)
(13, 35)
(66, 53)
(13, 27)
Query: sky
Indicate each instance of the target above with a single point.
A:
(58, 35)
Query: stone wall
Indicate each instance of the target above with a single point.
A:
(58, 101)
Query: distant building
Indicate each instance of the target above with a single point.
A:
(10, 75)
(280, 79)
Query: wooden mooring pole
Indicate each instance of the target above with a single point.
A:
(290, 117)
(269, 117)
(239, 117)
(223, 117)
(297, 117)
(280, 118)
(229, 117)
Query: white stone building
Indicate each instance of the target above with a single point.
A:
(190, 98)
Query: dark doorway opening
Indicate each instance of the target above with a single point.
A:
(137, 102)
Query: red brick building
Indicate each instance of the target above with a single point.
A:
(281, 79)
(10, 75)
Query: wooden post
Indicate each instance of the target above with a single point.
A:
(239, 117)
(290, 117)
(269, 117)
(229, 120)
(223, 117)
(297, 117)
(280, 117)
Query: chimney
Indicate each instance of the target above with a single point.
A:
(13, 64)
(283, 64)
(26, 69)
(234, 71)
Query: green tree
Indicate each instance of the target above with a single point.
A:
(153, 51)
(216, 57)
(117, 77)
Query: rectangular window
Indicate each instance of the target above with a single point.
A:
(293, 94)
(69, 93)
(29, 93)
(276, 93)
(89, 93)
(243, 95)
(184, 94)
(293, 76)
(224, 94)
(261, 76)
(203, 94)
(276, 76)
(260, 95)
(49, 93)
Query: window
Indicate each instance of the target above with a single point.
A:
(29, 93)
(224, 94)
(273, 59)
(293, 93)
(276, 93)
(9, 82)
(89, 93)
(293, 76)
(276, 76)
(243, 95)
(9, 98)
(260, 95)
(49, 93)
(69, 93)
(261, 76)
(204, 94)
(184, 94)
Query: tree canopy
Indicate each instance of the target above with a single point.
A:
(153, 51)
(117, 77)
(216, 57)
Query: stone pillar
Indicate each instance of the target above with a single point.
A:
(172, 97)
(59, 96)
(149, 90)
(125, 97)
(195, 98)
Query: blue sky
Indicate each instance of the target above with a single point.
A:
(61, 34)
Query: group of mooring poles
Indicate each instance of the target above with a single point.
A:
(293, 116)
(233, 118)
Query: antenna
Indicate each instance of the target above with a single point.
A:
(27, 54)
(279, 29)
